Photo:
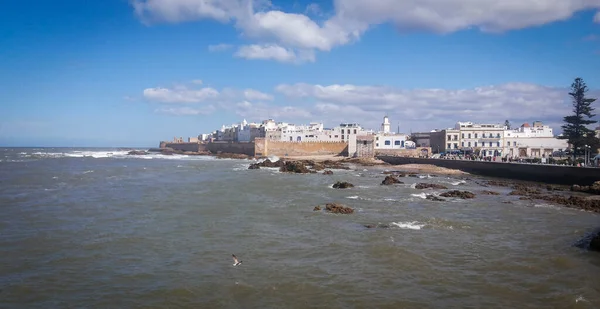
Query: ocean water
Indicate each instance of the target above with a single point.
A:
(95, 228)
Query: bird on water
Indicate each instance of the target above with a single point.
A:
(235, 260)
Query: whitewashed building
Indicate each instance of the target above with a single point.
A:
(535, 141)
(485, 140)
(385, 139)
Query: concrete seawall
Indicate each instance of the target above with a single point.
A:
(551, 174)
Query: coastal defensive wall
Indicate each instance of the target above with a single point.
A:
(551, 174)
(265, 147)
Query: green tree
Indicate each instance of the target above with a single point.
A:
(575, 129)
(507, 124)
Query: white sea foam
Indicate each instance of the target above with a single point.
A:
(110, 154)
(413, 186)
(547, 206)
(421, 195)
(87, 172)
(354, 197)
(580, 299)
(414, 225)
(456, 183)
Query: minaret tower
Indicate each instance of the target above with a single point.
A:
(385, 126)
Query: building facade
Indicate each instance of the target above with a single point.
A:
(535, 141)
(484, 140)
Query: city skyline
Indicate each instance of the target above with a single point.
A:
(131, 73)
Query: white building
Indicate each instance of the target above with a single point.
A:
(486, 140)
(385, 139)
(535, 141)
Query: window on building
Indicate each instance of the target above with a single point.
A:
(387, 143)
(342, 131)
(498, 144)
(498, 135)
(291, 139)
(463, 144)
(455, 146)
(377, 144)
(377, 138)
(514, 143)
(507, 143)
(475, 144)
(402, 144)
(463, 135)
(449, 145)
(476, 137)
(365, 143)
(397, 143)
(354, 131)
(299, 139)
(491, 144)
(469, 144)
(469, 135)
(343, 136)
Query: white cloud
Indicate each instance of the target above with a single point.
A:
(261, 111)
(286, 33)
(180, 94)
(597, 17)
(255, 95)
(197, 82)
(274, 52)
(219, 47)
(434, 108)
(186, 111)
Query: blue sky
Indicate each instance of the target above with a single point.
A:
(131, 73)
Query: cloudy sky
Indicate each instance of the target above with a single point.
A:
(133, 72)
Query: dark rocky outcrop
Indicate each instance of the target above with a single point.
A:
(459, 194)
(342, 185)
(338, 208)
(413, 175)
(498, 183)
(595, 243)
(294, 167)
(593, 189)
(488, 192)
(430, 185)
(317, 208)
(254, 166)
(390, 180)
(432, 197)
(327, 172)
(521, 189)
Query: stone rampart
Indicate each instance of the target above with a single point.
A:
(551, 174)
(265, 147)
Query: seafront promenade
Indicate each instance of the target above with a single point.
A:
(544, 173)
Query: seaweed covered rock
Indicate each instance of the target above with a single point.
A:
(294, 167)
(459, 194)
(338, 208)
(327, 172)
(430, 185)
(342, 185)
(434, 198)
(390, 180)
(488, 192)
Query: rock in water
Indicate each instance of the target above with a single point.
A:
(595, 243)
(487, 192)
(390, 180)
(342, 185)
(327, 172)
(317, 208)
(338, 208)
(430, 185)
(434, 198)
(459, 194)
(294, 167)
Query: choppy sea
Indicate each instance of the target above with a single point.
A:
(96, 228)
